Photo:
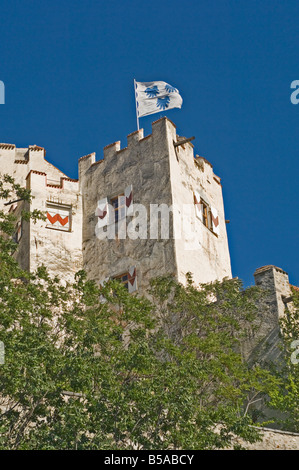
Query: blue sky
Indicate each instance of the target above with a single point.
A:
(68, 68)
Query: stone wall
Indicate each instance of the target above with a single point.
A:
(159, 173)
(274, 440)
(144, 164)
(264, 338)
(276, 281)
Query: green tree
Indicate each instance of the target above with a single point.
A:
(124, 373)
(285, 398)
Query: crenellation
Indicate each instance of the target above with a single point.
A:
(204, 164)
(217, 179)
(7, 146)
(36, 155)
(136, 142)
(135, 137)
(98, 162)
(111, 149)
(64, 183)
(122, 150)
(35, 172)
(86, 157)
(85, 163)
(164, 118)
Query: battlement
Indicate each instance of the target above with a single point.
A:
(21, 161)
(7, 146)
(40, 177)
(135, 142)
(163, 134)
(206, 167)
(268, 268)
(21, 155)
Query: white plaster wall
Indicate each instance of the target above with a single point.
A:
(203, 254)
(18, 162)
(60, 251)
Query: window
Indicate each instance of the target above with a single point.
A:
(128, 279)
(119, 206)
(59, 217)
(124, 279)
(114, 209)
(207, 214)
(18, 233)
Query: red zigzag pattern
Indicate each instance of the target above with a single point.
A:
(57, 217)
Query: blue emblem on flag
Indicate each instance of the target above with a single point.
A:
(154, 97)
(163, 103)
(170, 89)
(152, 91)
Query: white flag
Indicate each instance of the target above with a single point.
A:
(154, 97)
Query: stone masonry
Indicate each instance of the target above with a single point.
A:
(264, 341)
(157, 173)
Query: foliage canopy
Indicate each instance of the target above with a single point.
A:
(156, 372)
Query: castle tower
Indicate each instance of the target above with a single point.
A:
(157, 172)
(264, 341)
(276, 282)
(165, 205)
(57, 241)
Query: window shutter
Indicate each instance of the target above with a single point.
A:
(198, 206)
(121, 207)
(215, 220)
(132, 278)
(102, 283)
(129, 199)
(19, 231)
(102, 212)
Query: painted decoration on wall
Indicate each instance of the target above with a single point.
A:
(198, 205)
(58, 217)
(102, 212)
(129, 199)
(215, 220)
(132, 278)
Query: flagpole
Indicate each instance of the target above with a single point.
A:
(136, 104)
